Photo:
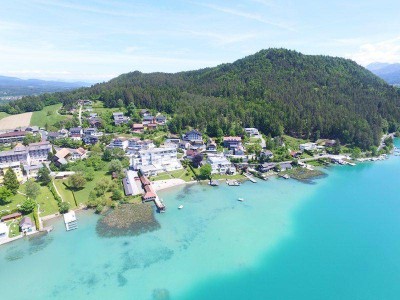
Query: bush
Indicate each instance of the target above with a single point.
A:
(64, 207)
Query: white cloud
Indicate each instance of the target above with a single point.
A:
(385, 51)
(247, 15)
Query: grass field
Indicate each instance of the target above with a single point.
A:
(48, 205)
(48, 115)
(15, 121)
(82, 196)
(3, 115)
(13, 227)
(66, 194)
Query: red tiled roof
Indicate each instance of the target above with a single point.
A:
(137, 126)
(13, 134)
(144, 180)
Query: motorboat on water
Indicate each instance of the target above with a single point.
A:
(180, 206)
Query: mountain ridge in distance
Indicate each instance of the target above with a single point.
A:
(388, 72)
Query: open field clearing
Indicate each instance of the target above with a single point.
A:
(15, 121)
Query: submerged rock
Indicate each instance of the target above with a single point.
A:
(128, 219)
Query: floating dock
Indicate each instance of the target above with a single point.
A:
(70, 221)
(232, 182)
(249, 177)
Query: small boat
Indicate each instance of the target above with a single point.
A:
(240, 199)
(180, 206)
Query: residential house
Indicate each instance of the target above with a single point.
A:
(285, 166)
(145, 112)
(136, 144)
(151, 126)
(138, 128)
(266, 167)
(32, 129)
(330, 143)
(75, 133)
(52, 136)
(197, 145)
(77, 154)
(148, 119)
(234, 143)
(63, 133)
(12, 137)
(173, 140)
(308, 147)
(193, 135)
(121, 143)
(211, 146)
(26, 225)
(95, 122)
(90, 139)
(231, 142)
(66, 155)
(184, 145)
(119, 118)
(251, 131)
(266, 154)
(93, 115)
(160, 119)
(219, 164)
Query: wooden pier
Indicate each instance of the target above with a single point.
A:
(249, 177)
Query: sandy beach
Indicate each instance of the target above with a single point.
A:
(168, 183)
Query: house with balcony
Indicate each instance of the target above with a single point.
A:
(219, 164)
(119, 118)
(76, 133)
(155, 160)
(121, 143)
(193, 136)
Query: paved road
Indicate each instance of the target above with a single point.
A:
(384, 137)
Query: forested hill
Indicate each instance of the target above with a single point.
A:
(275, 90)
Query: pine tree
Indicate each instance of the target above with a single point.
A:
(11, 181)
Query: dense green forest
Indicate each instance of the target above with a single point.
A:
(276, 90)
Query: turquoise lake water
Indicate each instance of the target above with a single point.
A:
(336, 239)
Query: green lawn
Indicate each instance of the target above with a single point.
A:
(162, 176)
(182, 174)
(3, 115)
(48, 115)
(48, 205)
(82, 196)
(98, 107)
(65, 193)
(293, 143)
(13, 228)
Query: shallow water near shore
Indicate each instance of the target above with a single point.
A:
(335, 239)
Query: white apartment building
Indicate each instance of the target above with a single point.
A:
(155, 160)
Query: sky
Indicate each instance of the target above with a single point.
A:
(96, 40)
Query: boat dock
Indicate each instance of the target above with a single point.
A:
(249, 177)
(151, 195)
(70, 221)
(160, 206)
(232, 182)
